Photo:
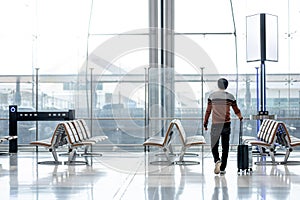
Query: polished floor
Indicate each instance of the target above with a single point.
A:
(129, 175)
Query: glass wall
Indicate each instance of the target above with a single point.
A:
(128, 67)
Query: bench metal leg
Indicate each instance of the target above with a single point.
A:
(185, 162)
(91, 154)
(72, 157)
(272, 155)
(54, 154)
(287, 154)
(168, 151)
(168, 161)
(263, 156)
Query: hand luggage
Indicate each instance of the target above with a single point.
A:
(244, 154)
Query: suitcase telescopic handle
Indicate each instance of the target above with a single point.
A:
(241, 132)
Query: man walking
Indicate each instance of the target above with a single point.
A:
(219, 103)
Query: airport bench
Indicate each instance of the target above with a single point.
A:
(78, 136)
(63, 136)
(265, 138)
(7, 138)
(271, 135)
(57, 140)
(165, 142)
(286, 140)
(71, 134)
(187, 142)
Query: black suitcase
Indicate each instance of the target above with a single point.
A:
(244, 154)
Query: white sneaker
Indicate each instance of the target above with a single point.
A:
(217, 167)
(222, 172)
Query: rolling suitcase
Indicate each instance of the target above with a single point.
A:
(244, 154)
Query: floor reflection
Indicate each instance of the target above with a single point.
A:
(118, 175)
(220, 190)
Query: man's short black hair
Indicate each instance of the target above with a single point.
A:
(222, 83)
